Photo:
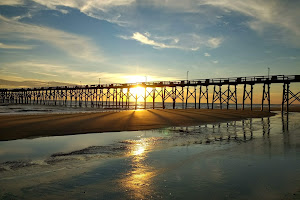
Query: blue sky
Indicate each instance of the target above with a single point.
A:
(56, 42)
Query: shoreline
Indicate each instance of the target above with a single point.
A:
(19, 126)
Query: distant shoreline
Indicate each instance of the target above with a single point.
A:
(40, 125)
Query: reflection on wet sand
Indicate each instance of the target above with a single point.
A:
(239, 131)
(138, 180)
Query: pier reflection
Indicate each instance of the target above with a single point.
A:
(242, 131)
(285, 122)
(286, 134)
(266, 126)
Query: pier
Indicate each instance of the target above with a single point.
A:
(222, 91)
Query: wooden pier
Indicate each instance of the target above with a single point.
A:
(122, 96)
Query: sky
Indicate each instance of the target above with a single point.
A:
(69, 42)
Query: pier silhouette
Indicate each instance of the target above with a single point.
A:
(122, 96)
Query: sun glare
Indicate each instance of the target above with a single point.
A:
(140, 150)
(138, 91)
(135, 79)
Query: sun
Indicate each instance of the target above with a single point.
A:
(137, 91)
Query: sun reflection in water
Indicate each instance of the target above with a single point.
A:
(139, 150)
(138, 180)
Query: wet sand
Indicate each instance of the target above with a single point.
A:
(162, 164)
(28, 126)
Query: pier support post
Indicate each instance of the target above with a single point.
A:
(266, 96)
(128, 97)
(122, 96)
(173, 96)
(231, 95)
(235, 93)
(66, 97)
(181, 96)
(153, 97)
(136, 98)
(192, 94)
(248, 94)
(213, 99)
(163, 97)
(195, 97)
(101, 97)
(113, 97)
(218, 95)
(145, 98)
(288, 96)
(205, 95)
(116, 93)
(186, 97)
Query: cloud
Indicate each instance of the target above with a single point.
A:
(206, 54)
(67, 42)
(145, 40)
(36, 70)
(215, 61)
(189, 42)
(99, 9)
(45, 74)
(39, 70)
(214, 42)
(21, 47)
(11, 2)
(125, 12)
(85, 5)
(288, 58)
(48, 69)
(30, 83)
(266, 15)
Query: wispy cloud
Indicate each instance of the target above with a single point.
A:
(45, 72)
(22, 47)
(11, 2)
(30, 83)
(215, 61)
(206, 54)
(190, 42)
(145, 40)
(103, 9)
(67, 42)
(214, 42)
(84, 5)
(266, 15)
(55, 72)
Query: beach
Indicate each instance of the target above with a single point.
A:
(244, 158)
(38, 125)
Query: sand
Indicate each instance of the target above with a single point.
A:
(29, 126)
